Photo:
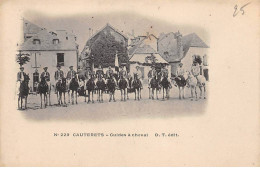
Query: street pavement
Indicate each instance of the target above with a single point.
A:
(146, 108)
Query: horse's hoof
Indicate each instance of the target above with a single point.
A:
(204, 97)
(76, 102)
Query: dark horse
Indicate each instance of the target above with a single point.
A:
(137, 87)
(101, 87)
(111, 86)
(123, 87)
(166, 86)
(181, 82)
(90, 86)
(23, 91)
(43, 89)
(73, 87)
(61, 89)
(154, 85)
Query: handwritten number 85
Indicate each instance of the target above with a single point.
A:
(241, 9)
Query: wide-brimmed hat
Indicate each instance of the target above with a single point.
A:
(137, 67)
(21, 67)
(45, 68)
(70, 66)
(180, 64)
(58, 65)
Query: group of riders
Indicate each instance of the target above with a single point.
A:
(156, 74)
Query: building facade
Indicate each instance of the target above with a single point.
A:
(47, 49)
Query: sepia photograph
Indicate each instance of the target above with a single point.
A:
(129, 83)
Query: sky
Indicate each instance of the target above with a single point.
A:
(124, 22)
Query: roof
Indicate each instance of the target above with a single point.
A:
(30, 28)
(108, 25)
(168, 43)
(140, 47)
(141, 58)
(46, 42)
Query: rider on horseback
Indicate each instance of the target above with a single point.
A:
(152, 73)
(46, 75)
(139, 74)
(180, 72)
(195, 69)
(58, 75)
(21, 74)
(122, 74)
(100, 73)
(71, 74)
(164, 73)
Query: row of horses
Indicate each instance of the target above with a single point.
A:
(110, 85)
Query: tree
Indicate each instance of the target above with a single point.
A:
(22, 58)
(104, 48)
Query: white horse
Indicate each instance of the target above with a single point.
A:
(193, 82)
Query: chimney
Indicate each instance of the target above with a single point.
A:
(178, 37)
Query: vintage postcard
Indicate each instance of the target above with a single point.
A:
(129, 83)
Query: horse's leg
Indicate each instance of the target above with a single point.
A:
(92, 96)
(183, 92)
(41, 99)
(200, 92)
(102, 96)
(64, 94)
(22, 103)
(72, 96)
(114, 96)
(179, 92)
(68, 96)
(138, 94)
(88, 96)
(149, 93)
(121, 90)
(25, 104)
(163, 92)
(45, 99)
(191, 90)
(204, 91)
(196, 92)
(18, 102)
(49, 96)
(85, 96)
(125, 94)
(135, 94)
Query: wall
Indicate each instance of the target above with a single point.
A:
(187, 60)
(49, 59)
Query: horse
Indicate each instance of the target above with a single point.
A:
(43, 90)
(90, 87)
(122, 84)
(61, 87)
(181, 82)
(101, 87)
(73, 87)
(137, 87)
(23, 91)
(166, 86)
(111, 86)
(154, 85)
(193, 82)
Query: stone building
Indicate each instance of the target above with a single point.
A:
(176, 48)
(47, 49)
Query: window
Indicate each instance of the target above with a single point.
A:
(36, 41)
(55, 41)
(60, 59)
